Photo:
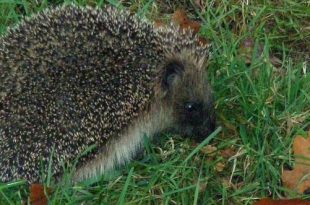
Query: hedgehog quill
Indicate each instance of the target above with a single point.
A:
(73, 77)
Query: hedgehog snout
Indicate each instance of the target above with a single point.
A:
(205, 129)
(193, 113)
(198, 120)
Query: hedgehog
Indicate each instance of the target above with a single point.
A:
(84, 85)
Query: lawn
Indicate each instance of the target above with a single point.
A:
(259, 68)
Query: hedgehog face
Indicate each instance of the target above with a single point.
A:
(190, 97)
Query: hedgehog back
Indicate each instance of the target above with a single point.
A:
(70, 77)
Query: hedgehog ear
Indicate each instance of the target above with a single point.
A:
(172, 70)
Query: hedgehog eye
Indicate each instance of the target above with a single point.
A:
(172, 70)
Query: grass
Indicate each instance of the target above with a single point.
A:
(262, 102)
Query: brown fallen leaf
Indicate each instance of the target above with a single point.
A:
(299, 178)
(275, 61)
(208, 149)
(37, 195)
(228, 152)
(219, 167)
(246, 49)
(181, 19)
(282, 202)
(200, 4)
